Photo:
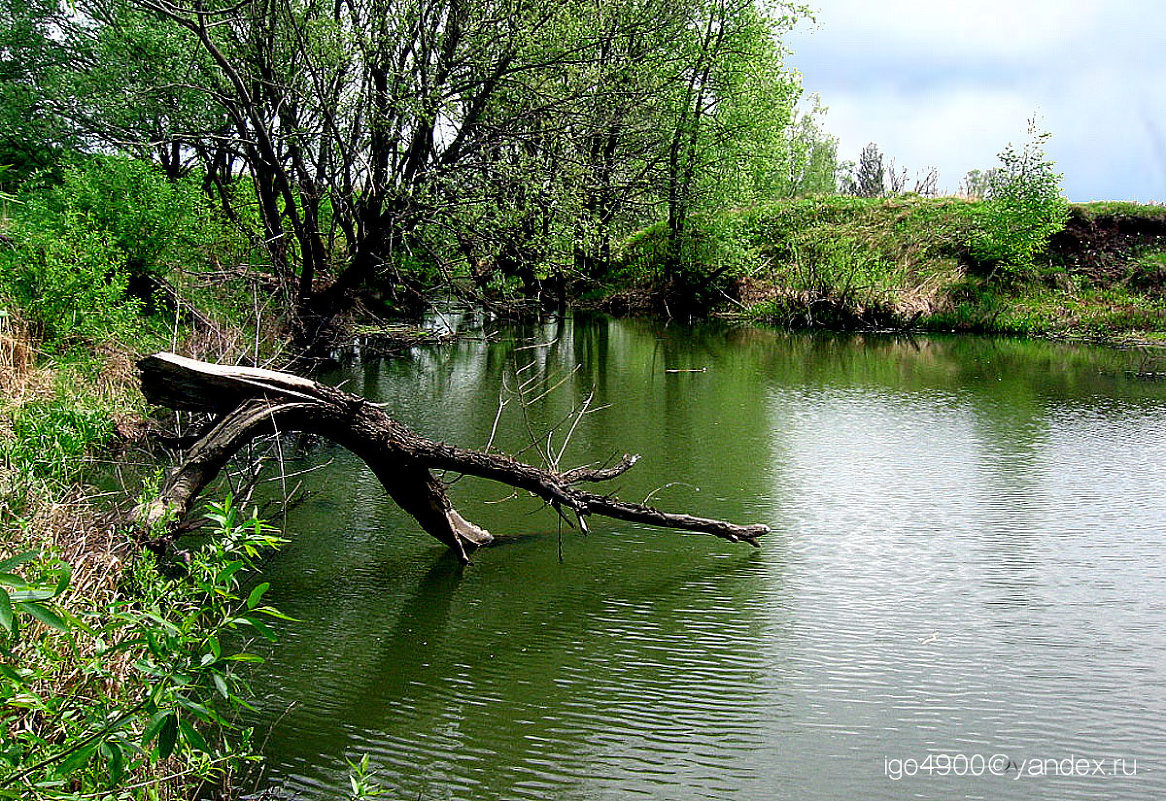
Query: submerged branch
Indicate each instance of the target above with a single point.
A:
(251, 402)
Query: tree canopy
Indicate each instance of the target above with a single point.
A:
(364, 142)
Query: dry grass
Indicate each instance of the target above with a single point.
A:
(19, 376)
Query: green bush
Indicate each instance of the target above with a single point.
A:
(70, 286)
(152, 222)
(714, 243)
(81, 249)
(1024, 207)
(92, 699)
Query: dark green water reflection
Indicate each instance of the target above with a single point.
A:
(967, 558)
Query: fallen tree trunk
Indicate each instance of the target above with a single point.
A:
(250, 402)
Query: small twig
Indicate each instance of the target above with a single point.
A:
(666, 486)
(574, 425)
(537, 345)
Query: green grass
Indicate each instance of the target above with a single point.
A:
(1037, 310)
(912, 262)
(1118, 208)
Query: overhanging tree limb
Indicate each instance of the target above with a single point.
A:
(251, 402)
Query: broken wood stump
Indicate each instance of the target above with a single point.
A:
(250, 402)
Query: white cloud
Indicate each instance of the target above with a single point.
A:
(987, 28)
(948, 84)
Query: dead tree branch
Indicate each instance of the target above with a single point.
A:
(251, 402)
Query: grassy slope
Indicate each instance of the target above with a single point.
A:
(907, 262)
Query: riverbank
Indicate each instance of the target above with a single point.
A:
(911, 263)
(113, 679)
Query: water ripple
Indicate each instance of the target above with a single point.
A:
(967, 558)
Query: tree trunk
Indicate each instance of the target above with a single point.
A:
(252, 402)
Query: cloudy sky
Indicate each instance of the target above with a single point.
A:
(948, 83)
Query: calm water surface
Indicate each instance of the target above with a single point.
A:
(967, 561)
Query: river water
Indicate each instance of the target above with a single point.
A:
(964, 594)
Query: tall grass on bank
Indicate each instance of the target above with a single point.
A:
(925, 263)
(836, 262)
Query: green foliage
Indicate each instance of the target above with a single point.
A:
(870, 176)
(711, 243)
(153, 222)
(538, 143)
(1024, 207)
(811, 163)
(982, 306)
(51, 437)
(29, 600)
(1121, 209)
(1148, 272)
(977, 184)
(83, 246)
(837, 260)
(69, 284)
(31, 55)
(361, 782)
(151, 677)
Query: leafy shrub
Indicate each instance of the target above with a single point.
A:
(81, 249)
(70, 286)
(150, 220)
(94, 699)
(715, 243)
(1024, 207)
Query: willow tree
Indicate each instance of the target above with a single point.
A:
(371, 133)
(729, 112)
(669, 108)
(32, 64)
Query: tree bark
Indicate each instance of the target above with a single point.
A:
(252, 402)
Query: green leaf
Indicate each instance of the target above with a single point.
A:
(221, 685)
(78, 759)
(66, 574)
(231, 569)
(43, 614)
(14, 561)
(168, 736)
(216, 649)
(257, 595)
(33, 595)
(257, 624)
(6, 620)
(155, 725)
(77, 623)
(193, 738)
(271, 611)
(13, 580)
(201, 712)
(114, 760)
(192, 706)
